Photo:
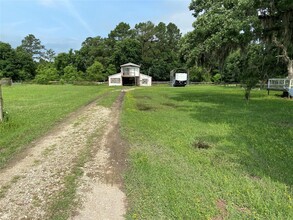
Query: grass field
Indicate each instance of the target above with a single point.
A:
(33, 109)
(202, 152)
(199, 152)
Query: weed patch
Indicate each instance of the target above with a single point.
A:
(6, 187)
(222, 207)
(144, 107)
(107, 100)
(170, 104)
(201, 145)
(143, 97)
(65, 201)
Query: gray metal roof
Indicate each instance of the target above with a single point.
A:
(130, 64)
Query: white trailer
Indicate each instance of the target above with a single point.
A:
(179, 77)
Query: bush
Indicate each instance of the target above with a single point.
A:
(217, 78)
(95, 72)
(199, 74)
(45, 75)
(71, 74)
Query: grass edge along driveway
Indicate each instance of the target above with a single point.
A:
(34, 109)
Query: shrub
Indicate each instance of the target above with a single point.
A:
(46, 74)
(71, 74)
(217, 78)
(95, 72)
(199, 74)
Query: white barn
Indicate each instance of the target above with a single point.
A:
(130, 76)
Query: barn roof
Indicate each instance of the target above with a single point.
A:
(130, 64)
(115, 75)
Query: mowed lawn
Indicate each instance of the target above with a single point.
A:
(34, 109)
(202, 152)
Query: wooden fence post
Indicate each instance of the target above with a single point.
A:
(1, 105)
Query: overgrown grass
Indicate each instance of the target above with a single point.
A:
(246, 172)
(108, 100)
(33, 109)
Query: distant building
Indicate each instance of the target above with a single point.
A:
(130, 76)
(179, 77)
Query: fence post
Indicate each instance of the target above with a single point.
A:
(1, 105)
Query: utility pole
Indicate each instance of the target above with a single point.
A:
(1, 105)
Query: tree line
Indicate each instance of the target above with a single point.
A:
(240, 41)
(233, 41)
(154, 47)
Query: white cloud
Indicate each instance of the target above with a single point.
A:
(69, 7)
(72, 10)
(179, 14)
(49, 31)
(14, 24)
(63, 44)
(183, 20)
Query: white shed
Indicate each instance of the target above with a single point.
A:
(115, 80)
(130, 76)
(145, 80)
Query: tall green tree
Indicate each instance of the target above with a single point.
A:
(33, 46)
(222, 27)
(127, 50)
(166, 50)
(7, 61)
(159, 48)
(250, 64)
(16, 64)
(63, 60)
(277, 27)
(95, 72)
(25, 64)
(145, 33)
(94, 49)
(121, 32)
(262, 60)
(49, 55)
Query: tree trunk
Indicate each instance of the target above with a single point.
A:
(285, 56)
(290, 69)
(1, 105)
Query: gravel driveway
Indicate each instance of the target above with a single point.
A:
(29, 184)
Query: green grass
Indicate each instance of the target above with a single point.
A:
(34, 109)
(246, 172)
(108, 100)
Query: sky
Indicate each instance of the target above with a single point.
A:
(65, 24)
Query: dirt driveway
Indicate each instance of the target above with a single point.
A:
(30, 183)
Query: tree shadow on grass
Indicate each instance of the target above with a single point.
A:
(260, 130)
